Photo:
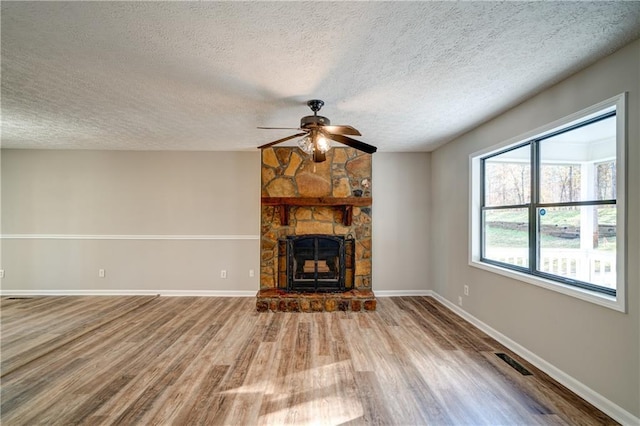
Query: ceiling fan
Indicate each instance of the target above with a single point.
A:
(317, 134)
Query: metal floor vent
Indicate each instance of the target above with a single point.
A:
(19, 298)
(515, 364)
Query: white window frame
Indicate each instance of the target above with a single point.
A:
(619, 302)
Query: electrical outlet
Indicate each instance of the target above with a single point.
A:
(460, 300)
(101, 273)
(466, 290)
(1, 273)
(223, 273)
(252, 273)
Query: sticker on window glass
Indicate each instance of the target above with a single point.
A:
(543, 212)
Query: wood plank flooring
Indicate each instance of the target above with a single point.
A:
(210, 361)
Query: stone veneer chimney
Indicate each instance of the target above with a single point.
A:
(300, 197)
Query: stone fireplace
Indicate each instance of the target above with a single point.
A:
(315, 231)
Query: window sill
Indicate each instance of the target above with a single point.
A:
(616, 303)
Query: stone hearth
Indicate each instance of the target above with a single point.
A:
(331, 198)
(281, 301)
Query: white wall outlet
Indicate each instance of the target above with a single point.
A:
(460, 300)
(252, 273)
(466, 290)
(101, 273)
(223, 273)
(1, 273)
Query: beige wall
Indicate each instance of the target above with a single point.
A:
(209, 200)
(400, 221)
(595, 345)
(124, 192)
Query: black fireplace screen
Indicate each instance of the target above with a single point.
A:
(316, 263)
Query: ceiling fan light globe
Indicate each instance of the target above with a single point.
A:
(306, 145)
(323, 144)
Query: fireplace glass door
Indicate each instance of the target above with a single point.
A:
(316, 263)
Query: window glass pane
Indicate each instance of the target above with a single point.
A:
(507, 178)
(605, 180)
(560, 183)
(579, 243)
(579, 165)
(506, 236)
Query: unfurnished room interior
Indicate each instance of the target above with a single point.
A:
(320, 213)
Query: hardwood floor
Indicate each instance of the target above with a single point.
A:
(208, 361)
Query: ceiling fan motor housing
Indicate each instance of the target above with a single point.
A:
(313, 121)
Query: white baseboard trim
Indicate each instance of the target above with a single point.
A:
(608, 407)
(212, 293)
(167, 293)
(124, 237)
(177, 293)
(396, 293)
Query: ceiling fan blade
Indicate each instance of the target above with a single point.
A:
(279, 128)
(365, 147)
(267, 145)
(342, 130)
(318, 157)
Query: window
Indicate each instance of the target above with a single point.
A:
(549, 207)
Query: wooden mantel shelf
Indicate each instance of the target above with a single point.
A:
(346, 203)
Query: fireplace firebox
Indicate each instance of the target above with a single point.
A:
(316, 263)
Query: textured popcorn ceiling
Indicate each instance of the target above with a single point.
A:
(202, 76)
